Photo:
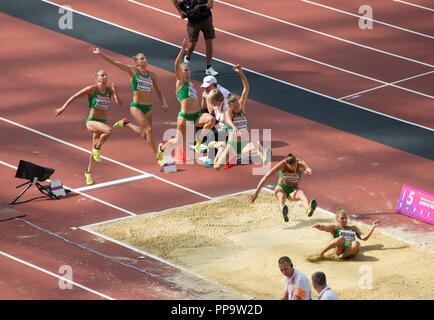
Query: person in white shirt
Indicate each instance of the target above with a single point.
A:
(211, 86)
(297, 285)
(319, 283)
(210, 83)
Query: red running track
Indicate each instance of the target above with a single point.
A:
(363, 176)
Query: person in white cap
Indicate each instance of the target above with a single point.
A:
(210, 83)
(217, 110)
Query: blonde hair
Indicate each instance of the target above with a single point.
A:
(340, 211)
(232, 99)
(98, 71)
(216, 95)
(182, 65)
(135, 57)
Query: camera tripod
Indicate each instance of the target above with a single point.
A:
(45, 190)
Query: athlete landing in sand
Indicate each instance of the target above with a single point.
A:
(344, 240)
(290, 170)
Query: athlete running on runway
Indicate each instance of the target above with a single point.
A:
(142, 82)
(236, 123)
(190, 107)
(344, 240)
(99, 96)
(290, 170)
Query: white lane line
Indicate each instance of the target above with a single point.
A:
(252, 71)
(293, 54)
(55, 275)
(325, 34)
(147, 254)
(379, 87)
(8, 165)
(414, 5)
(83, 194)
(369, 19)
(113, 182)
(104, 157)
(87, 229)
(102, 202)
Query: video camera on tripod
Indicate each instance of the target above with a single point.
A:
(193, 8)
(34, 174)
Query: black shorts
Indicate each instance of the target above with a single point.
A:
(193, 30)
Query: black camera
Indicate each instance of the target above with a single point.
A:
(29, 171)
(193, 8)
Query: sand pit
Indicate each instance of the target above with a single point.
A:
(237, 244)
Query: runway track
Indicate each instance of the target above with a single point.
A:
(313, 51)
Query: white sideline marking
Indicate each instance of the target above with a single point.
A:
(113, 182)
(252, 71)
(144, 253)
(294, 54)
(83, 194)
(385, 85)
(373, 20)
(325, 34)
(104, 157)
(55, 275)
(414, 5)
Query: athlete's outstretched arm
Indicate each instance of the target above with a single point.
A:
(85, 91)
(178, 70)
(279, 166)
(327, 228)
(246, 86)
(123, 66)
(365, 237)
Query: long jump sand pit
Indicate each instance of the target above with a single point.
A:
(237, 244)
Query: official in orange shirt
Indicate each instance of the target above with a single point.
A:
(297, 284)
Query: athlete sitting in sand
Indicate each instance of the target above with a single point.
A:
(290, 170)
(344, 240)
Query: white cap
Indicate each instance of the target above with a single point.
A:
(207, 81)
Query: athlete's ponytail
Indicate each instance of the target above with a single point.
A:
(290, 159)
(231, 99)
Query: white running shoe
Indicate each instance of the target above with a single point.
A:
(211, 72)
(186, 61)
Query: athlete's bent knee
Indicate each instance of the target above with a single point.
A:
(341, 240)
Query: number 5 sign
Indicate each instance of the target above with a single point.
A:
(416, 203)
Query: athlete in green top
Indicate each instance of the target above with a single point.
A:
(143, 82)
(238, 136)
(290, 170)
(99, 96)
(344, 240)
(190, 108)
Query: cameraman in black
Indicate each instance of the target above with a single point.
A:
(198, 13)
